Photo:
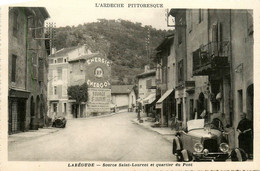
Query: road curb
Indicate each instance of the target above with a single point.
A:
(167, 137)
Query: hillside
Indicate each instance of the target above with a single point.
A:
(122, 41)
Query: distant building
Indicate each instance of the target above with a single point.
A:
(147, 89)
(28, 65)
(76, 66)
(166, 80)
(123, 96)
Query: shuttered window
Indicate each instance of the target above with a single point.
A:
(15, 23)
(14, 57)
(41, 70)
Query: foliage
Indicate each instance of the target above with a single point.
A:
(78, 93)
(123, 42)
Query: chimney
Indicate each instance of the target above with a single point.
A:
(146, 68)
(53, 51)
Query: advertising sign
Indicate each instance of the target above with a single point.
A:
(99, 100)
(98, 71)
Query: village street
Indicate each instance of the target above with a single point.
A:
(110, 138)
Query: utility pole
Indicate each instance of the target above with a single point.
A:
(148, 45)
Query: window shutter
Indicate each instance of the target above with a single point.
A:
(214, 39)
(41, 69)
(220, 37)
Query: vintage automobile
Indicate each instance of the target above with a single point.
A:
(203, 142)
(59, 122)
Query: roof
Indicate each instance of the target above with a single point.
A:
(65, 51)
(121, 89)
(146, 74)
(84, 57)
(168, 40)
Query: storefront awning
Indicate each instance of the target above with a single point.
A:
(149, 99)
(164, 96)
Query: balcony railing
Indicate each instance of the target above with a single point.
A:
(215, 53)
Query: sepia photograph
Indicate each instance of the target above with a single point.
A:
(130, 85)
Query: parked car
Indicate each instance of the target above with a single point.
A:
(203, 142)
(59, 122)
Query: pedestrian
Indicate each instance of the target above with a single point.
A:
(245, 137)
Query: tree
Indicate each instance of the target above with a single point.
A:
(78, 93)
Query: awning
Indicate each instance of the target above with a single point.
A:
(149, 99)
(164, 96)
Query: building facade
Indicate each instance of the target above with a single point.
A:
(216, 55)
(76, 66)
(147, 89)
(165, 80)
(123, 97)
(28, 65)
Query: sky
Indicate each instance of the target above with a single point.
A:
(70, 15)
(75, 12)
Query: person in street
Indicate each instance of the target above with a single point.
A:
(245, 138)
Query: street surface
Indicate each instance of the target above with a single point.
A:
(110, 138)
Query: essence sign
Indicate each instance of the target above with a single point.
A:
(98, 72)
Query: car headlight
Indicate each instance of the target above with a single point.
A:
(224, 147)
(198, 147)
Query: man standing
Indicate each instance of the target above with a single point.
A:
(245, 137)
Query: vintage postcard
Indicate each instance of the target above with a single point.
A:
(129, 85)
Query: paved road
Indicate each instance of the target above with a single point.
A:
(111, 138)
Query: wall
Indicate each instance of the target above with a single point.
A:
(242, 61)
(197, 35)
(131, 99)
(120, 99)
(143, 91)
(31, 61)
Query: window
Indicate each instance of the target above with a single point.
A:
(65, 107)
(50, 61)
(180, 70)
(35, 65)
(190, 21)
(55, 90)
(60, 60)
(15, 23)
(140, 86)
(14, 57)
(179, 37)
(148, 83)
(65, 60)
(55, 107)
(200, 15)
(41, 69)
(59, 73)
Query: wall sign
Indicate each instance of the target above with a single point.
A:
(98, 72)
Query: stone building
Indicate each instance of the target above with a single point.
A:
(216, 55)
(123, 97)
(147, 89)
(27, 75)
(166, 80)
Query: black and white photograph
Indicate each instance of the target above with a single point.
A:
(129, 85)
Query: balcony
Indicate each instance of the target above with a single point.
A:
(211, 58)
(185, 84)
